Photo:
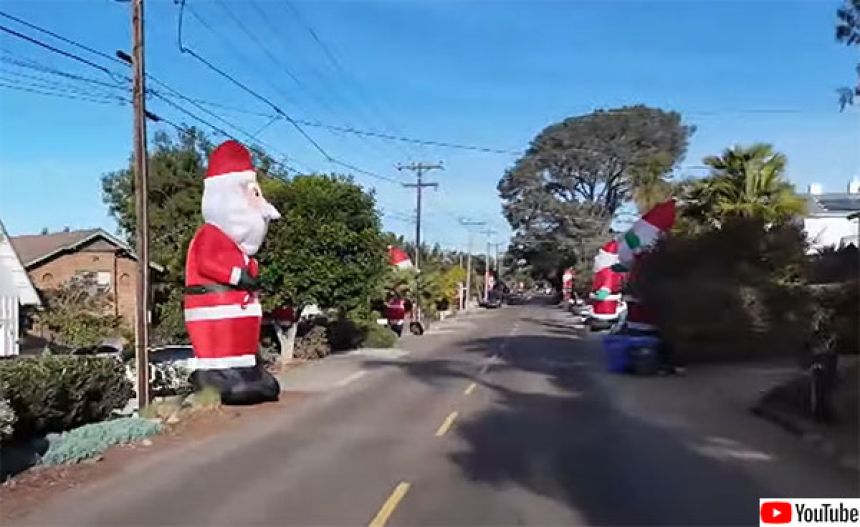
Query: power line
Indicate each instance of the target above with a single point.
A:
(346, 129)
(333, 88)
(46, 90)
(332, 58)
(61, 38)
(369, 133)
(186, 50)
(63, 95)
(58, 50)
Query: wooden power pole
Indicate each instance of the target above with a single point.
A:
(141, 205)
(467, 224)
(419, 186)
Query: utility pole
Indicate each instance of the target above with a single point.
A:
(488, 232)
(498, 260)
(419, 186)
(141, 205)
(467, 224)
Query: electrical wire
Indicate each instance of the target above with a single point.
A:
(59, 51)
(332, 58)
(317, 124)
(186, 50)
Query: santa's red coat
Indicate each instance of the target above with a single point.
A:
(611, 281)
(395, 311)
(224, 326)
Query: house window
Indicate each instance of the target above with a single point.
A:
(100, 280)
(103, 279)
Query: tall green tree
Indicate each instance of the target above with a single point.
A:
(560, 196)
(848, 32)
(747, 182)
(327, 249)
(176, 170)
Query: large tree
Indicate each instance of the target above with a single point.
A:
(848, 32)
(176, 170)
(562, 194)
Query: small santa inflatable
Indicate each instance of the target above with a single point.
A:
(222, 311)
(567, 284)
(605, 298)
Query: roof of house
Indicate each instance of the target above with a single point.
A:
(14, 279)
(832, 203)
(36, 248)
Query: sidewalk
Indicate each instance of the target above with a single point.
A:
(711, 407)
(787, 406)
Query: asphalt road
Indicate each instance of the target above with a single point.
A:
(506, 420)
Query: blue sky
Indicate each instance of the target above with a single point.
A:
(484, 73)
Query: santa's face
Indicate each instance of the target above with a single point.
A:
(239, 209)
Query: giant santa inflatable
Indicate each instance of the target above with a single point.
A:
(222, 311)
(635, 244)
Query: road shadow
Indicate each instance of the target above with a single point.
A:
(568, 443)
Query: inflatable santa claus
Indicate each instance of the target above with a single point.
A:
(605, 297)
(222, 311)
(635, 244)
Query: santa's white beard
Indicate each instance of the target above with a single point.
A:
(227, 208)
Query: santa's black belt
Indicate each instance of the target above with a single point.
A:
(209, 288)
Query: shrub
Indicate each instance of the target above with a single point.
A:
(7, 420)
(377, 336)
(841, 301)
(733, 293)
(93, 439)
(345, 334)
(76, 315)
(314, 344)
(54, 393)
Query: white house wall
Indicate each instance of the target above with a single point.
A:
(828, 231)
(10, 264)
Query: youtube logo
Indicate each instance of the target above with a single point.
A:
(776, 512)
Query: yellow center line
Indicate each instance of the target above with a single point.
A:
(470, 389)
(390, 504)
(446, 424)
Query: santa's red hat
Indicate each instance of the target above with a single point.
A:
(230, 160)
(398, 258)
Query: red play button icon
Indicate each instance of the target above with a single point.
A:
(776, 512)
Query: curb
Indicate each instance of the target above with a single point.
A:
(796, 426)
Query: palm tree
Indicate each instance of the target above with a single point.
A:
(749, 182)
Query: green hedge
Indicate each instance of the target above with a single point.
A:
(58, 392)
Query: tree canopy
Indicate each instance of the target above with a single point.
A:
(327, 248)
(561, 195)
(848, 32)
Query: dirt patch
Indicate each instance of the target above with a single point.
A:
(33, 488)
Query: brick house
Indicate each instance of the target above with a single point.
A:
(54, 258)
